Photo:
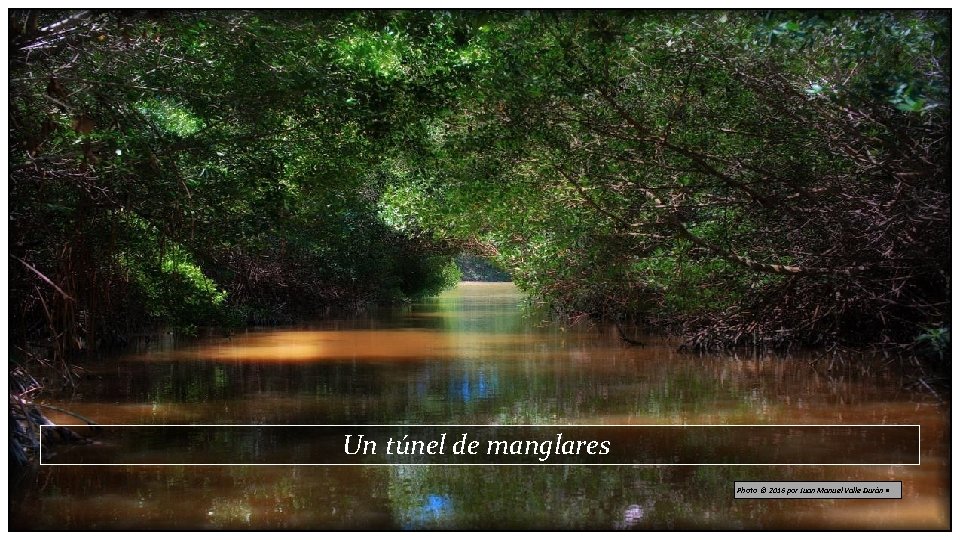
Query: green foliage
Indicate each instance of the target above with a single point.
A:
(166, 284)
(192, 167)
(169, 117)
(474, 268)
(176, 291)
(762, 166)
(379, 53)
(698, 165)
(936, 341)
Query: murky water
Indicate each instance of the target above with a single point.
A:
(475, 355)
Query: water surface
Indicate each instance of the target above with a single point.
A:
(475, 355)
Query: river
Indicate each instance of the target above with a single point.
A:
(476, 355)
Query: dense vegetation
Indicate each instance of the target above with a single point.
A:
(779, 177)
(775, 177)
(475, 268)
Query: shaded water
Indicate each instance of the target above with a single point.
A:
(475, 355)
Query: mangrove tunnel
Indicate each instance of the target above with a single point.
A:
(476, 217)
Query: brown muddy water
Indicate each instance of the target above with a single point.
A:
(475, 355)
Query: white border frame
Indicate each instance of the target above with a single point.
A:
(483, 464)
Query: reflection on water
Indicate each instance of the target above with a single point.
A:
(476, 355)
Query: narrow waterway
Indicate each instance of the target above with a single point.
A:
(475, 355)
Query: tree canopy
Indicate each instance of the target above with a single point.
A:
(780, 176)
